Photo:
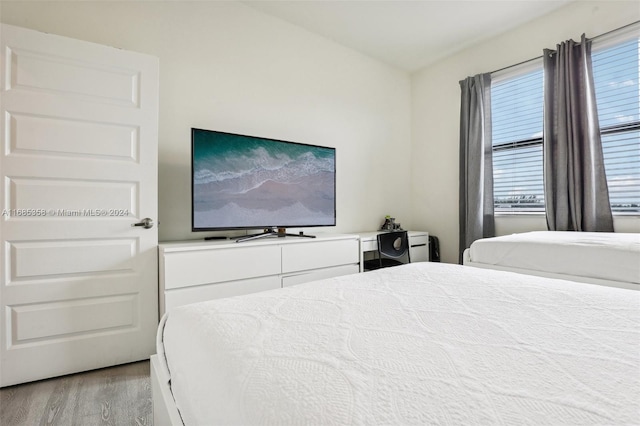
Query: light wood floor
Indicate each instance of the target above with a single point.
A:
(111, 396)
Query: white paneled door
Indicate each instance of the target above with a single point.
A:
(78, 282)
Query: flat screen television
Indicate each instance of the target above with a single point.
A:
(246, 182)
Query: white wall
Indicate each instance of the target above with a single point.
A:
(436, 114)
(225, 66)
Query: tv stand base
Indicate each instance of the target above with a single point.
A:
(270, 232)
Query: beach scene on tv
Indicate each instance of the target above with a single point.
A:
(242, 182)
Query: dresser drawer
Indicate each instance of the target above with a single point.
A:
(189, 268)
(183, 296)
(419, 248)
(318, 274)
(319, 254)
(418, 240)
(369, 244)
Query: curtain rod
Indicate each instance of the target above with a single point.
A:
(540, 57)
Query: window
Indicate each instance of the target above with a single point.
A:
(516, 125)
(615, 73)
(517, 108)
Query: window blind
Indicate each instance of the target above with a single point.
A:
(516, 110)
(616, 73)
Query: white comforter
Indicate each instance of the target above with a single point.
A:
(601, 255)
(423, 343)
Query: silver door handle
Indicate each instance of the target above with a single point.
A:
(146, 223)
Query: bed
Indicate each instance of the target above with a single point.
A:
(423, 343)
(611, 259)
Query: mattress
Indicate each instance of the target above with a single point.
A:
(422, 343)
(607, 256)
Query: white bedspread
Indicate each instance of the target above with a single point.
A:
(423, 343)
(608, 256)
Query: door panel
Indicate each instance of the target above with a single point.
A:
(65, 72)
(71, 197)
(78, 286)
(28, 134)
(55, 320)
(43, 259)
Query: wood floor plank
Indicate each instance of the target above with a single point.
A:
(118, 395)
(57, 401)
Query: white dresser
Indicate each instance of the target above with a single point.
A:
(194, 271)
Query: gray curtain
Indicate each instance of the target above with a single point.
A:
(476, 168)
(575, 184)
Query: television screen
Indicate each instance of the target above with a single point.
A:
(249, 182)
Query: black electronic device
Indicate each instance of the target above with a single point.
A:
(247, 182)
(434, 249)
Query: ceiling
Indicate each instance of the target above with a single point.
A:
(409, 34)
